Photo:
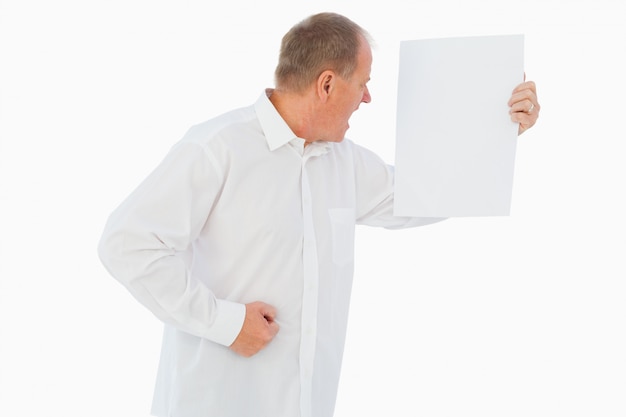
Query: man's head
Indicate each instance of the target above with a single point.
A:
(325, 41)
(324, 67)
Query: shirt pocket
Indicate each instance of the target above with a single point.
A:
(342, 223)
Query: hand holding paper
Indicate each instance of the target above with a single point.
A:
(524, 106)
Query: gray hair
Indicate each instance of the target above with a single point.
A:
(324, 41)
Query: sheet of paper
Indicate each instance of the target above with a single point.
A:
(455, 141)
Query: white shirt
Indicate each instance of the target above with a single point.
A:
(241, 211)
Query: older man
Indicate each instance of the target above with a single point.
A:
(241, 240)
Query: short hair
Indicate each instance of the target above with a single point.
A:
(318, 43)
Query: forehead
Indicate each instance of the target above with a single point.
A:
(364, 58)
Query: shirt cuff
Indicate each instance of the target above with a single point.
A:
(228, 322)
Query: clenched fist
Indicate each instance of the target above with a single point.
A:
(259, 328)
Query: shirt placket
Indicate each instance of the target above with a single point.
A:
(309, 296)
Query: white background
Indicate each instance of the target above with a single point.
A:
(522, 315)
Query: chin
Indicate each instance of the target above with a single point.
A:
(341, 137)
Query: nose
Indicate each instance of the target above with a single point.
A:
(366, 96)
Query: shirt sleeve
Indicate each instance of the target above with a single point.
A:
(375, 192)
(145, 242)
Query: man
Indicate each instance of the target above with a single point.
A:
(241, 240)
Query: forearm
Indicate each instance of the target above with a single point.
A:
(382, 216)
(159, 279)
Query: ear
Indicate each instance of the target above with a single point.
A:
(325, 84)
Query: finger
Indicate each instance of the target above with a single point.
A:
(524, 106)
(523, 96)
(525, 110)
(521, 118)
(525, 91)
(526, 85)
(525, 120)
(269, 312)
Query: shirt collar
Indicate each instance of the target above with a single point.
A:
(277, 132)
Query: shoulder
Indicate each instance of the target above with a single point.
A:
(232, 124)
(358, 153)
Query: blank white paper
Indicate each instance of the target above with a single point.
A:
(455, 141)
